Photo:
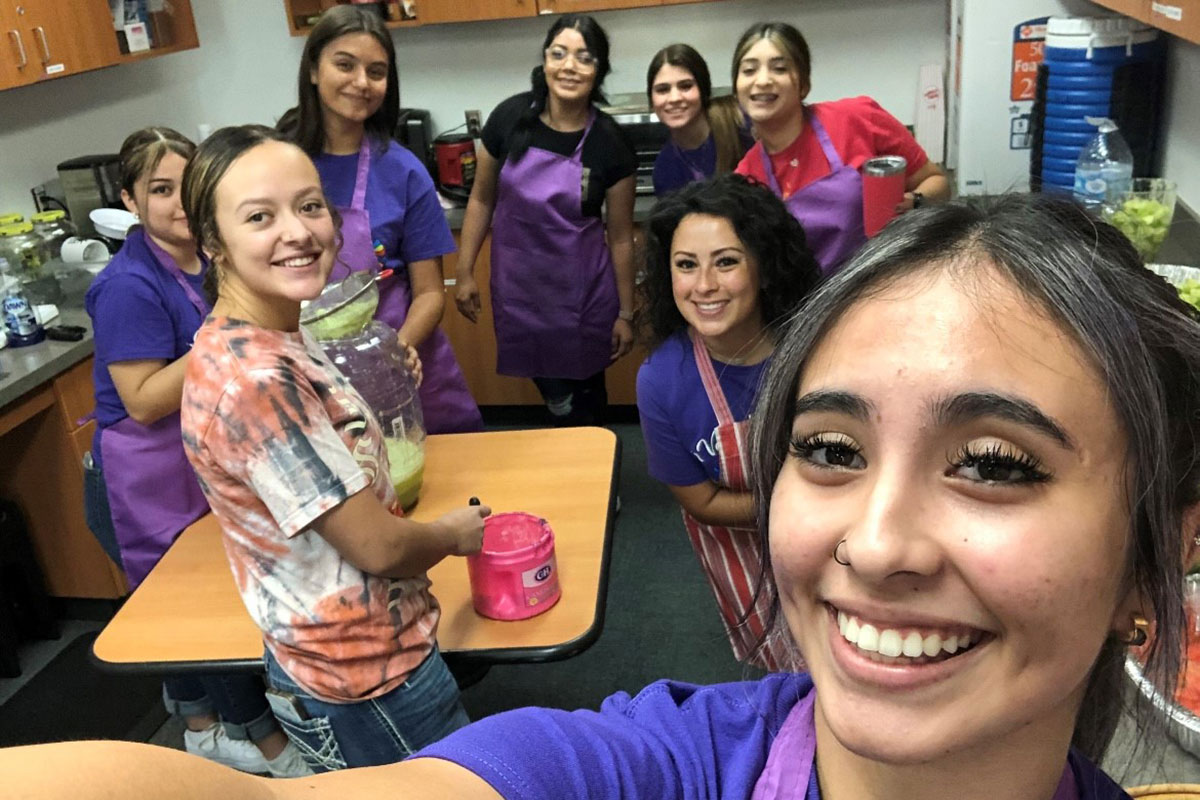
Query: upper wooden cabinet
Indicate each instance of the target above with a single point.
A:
(301, 13)
(435, 11)
(584, 6)
(51, 38)
(1178, 17)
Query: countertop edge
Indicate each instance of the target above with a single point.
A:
(23, 369)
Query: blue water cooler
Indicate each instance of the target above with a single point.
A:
(1095, 67)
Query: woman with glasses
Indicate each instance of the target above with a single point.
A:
(554, 182)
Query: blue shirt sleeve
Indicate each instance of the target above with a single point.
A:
(668, 458)
(426, 233)
(671, 741)
(131, 321)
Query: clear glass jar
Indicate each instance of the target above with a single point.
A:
(374, 363)
(54, 228)
(29, 259)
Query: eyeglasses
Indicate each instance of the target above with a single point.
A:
(583, 58)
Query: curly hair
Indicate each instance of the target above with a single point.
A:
(787, 269)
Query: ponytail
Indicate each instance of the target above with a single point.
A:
(725, 120)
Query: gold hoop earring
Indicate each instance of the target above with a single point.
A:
(1140, 633)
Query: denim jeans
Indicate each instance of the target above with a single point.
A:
(383, 730)
(97, 513)
(238, 699)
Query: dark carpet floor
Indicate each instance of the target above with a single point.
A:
(70, 698)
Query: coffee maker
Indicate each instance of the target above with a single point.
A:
(88, 183)
(414, 130)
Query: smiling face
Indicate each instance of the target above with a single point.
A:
(964, 448)
(277, 235)
(570, 67)
(768, 86)
(156, 201)
(351, 77)
(675, 97)
(715, 282)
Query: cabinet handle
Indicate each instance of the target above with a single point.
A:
(16, 37)
(41, 32)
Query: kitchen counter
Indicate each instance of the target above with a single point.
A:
(641, 211)
(26, 368)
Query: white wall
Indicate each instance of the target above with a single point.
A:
(244, 70)
(1181, 157)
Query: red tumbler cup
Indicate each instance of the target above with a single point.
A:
(883, 190)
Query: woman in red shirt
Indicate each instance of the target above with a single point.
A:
(810, 154)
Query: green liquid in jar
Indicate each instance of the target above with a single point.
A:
(406, 467)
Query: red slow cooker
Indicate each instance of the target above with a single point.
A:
(455, 156)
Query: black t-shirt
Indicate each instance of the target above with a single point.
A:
(607, 153)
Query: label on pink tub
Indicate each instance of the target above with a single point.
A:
(540, 583)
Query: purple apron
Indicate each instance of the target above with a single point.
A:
(554, 290)
(789, 774)
(152, 491)
(446, 402)
(830, 209)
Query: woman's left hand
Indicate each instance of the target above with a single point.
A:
(412, 361)
(622, 338)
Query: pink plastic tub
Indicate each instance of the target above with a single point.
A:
(515, 575)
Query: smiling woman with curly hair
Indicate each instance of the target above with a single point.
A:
(725, 265)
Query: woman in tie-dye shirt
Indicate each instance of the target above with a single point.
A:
(292, 462)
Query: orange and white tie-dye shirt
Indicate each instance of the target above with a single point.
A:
(278, 437)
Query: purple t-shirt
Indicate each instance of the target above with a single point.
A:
(406, 217)
(138, 311)
(678, 423)
(674, 741)
(673, 166)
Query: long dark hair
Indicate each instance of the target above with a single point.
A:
(1142, 340)
(724, 117)
(597, 44)
(144, 149)
(303, 124)
(787, 270)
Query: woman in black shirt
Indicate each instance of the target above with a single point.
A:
(562, 270)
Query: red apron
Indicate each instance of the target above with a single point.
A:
(732, 557)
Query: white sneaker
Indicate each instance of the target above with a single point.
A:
(214, 744)
(288, 764)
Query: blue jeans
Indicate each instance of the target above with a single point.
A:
(238, 699)
(98, 514)
(383, 730)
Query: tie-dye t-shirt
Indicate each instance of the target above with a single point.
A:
(278, 437)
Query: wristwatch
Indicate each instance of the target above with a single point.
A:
(918, 199)
(625, 315)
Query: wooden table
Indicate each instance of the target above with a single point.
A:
(188, 616)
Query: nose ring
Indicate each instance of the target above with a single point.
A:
(836, 547)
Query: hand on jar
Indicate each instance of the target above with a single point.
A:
(412, 361)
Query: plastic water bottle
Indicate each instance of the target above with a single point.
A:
(1104, 172)
(19, 318)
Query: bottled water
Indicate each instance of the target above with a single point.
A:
(1104, 172)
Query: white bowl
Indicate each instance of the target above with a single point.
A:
(112, 222)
